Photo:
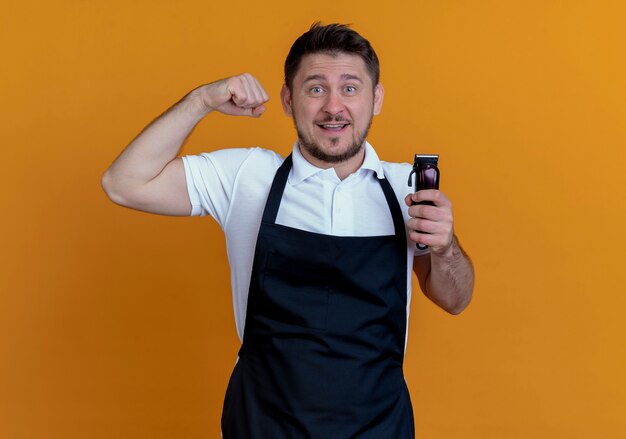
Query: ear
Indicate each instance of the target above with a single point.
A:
(379, 93)
(285, 99)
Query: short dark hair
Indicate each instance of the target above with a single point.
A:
(332, 39)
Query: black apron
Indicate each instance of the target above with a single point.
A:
(323, 344)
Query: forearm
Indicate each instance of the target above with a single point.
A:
(450, 281)
(157, 145)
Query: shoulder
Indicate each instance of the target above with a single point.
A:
(265, 157)
(398, 175)
(228, 163)
(236, 157)
(247, 153)
(257, 165)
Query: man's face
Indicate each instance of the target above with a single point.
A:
(332, 102)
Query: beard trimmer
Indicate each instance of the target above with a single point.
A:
(426, 177)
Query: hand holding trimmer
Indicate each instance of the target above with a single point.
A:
(426, 177)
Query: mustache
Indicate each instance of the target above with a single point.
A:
(330, 119)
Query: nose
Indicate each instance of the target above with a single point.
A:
(333, 104)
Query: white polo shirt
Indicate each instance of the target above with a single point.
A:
(232, 186)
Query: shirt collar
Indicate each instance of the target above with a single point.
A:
(303, 169)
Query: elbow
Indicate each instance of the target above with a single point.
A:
(111, 189)
(455, 304)
(462, 302)
(457, 308)
(459, 298)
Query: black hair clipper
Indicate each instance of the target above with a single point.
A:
(426, 177)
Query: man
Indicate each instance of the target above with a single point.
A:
(321, 244)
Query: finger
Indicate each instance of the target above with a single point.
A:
(247, 97)
(259, 92)
(238, 95)
(424, 211)
(258, 111)
(253, 94)
(250, 112)
(424, 238)
(408, 200)
(433, 213)
(242, 95)
(433, 195)
(235, 110)
(426, 226)
(434, 242)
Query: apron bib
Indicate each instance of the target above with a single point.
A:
(324, 338)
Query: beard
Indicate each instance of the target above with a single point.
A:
(315, 150)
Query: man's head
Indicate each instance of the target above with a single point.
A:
(331, 39)
(332, 92)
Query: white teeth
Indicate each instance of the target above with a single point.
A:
(333, 126)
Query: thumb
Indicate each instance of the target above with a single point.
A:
(257, 111)
(409, 200)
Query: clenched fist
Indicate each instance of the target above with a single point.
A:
(240, 95)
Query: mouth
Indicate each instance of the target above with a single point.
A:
(334, 127)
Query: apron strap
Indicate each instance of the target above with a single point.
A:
(394, 207)
(276, 192)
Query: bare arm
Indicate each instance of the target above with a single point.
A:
(445, 275)
(148, 175)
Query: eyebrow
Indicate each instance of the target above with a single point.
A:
(320, 77)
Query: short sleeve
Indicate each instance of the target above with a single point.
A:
(211, 181)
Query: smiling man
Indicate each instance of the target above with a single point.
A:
(321, 244)
(332, 99)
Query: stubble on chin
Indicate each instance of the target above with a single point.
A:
(315, 151)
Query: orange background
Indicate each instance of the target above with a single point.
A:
(118, 324)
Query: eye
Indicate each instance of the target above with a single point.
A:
(350, 89)
(316, 90)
